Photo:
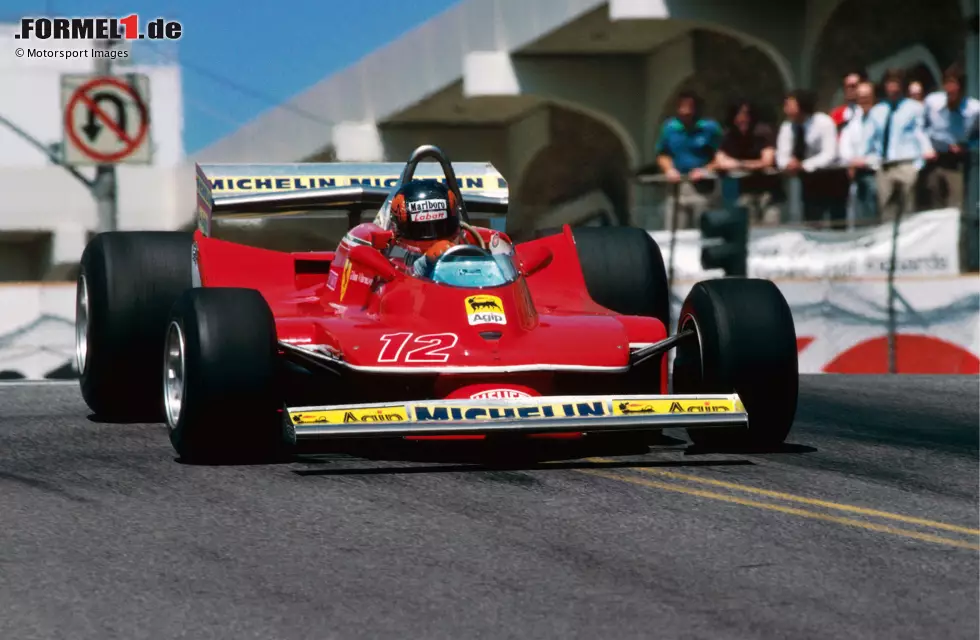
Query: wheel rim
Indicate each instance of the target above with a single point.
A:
(688, 322)
(81, 324)
(173, 374)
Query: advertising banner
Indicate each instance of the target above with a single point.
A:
(927, 247)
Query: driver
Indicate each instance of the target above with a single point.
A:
(425, 215)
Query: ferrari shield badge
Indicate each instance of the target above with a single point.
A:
(345, 280)
(483, 309)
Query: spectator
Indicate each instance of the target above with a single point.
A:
(807, 147)
(915, 91)
(852, 148)
(897, 146)
(951, 124)
(687, 147)
(843, 113)
(750, 145)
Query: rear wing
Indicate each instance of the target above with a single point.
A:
(262, 190)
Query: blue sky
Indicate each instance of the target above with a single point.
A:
(241, 61)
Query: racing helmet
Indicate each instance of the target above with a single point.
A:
(425, 210)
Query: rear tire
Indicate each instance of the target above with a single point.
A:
(220, 385)
(624, 270)
(745, 343)
(127, 283)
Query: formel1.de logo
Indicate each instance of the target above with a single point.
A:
(128, 28)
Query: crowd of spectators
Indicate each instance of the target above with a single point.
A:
(879, 158)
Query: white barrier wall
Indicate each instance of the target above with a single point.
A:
(37, 331)
(842, 327)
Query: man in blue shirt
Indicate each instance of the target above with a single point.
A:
(686, 152)
(951, 123)
(897, 147)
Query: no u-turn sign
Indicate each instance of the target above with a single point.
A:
(106, 119)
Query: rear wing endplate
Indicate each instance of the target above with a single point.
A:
(262, 190)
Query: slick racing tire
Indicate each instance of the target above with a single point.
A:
(220, 388)
(624, 270)
(127, 283)
(744, 342)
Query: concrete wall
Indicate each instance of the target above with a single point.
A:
(582, 156)
(855, 35)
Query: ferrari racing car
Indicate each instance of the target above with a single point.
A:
(419, 324)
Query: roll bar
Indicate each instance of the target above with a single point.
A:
(432, 151)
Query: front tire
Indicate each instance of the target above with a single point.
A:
(744, 342)
(220, 385)
(127, 283)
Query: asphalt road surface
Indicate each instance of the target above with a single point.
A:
(865, 527)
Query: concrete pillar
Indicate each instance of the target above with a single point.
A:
(818, 13)
(665, 70)
(68, 243)
(525, 139)
(775, 26)
(609, 88)
(460, 143)
(357, 142)
(970, 12)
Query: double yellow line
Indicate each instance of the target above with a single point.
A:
(796, 511)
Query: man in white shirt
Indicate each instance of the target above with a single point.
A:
(807, 147)
(915, 91)
(852, 147)
(842, 114)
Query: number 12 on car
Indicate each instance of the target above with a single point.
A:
(427, 347)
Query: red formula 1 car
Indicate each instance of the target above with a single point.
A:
(243, 350)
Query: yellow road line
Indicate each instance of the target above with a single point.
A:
(880, 528)
(810, 501)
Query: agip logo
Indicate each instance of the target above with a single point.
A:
(641, 407)
(484, 309)
(341, 416)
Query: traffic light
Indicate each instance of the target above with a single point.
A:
(725, 240)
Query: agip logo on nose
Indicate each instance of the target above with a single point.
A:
(483, 309)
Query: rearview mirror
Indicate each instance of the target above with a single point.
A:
(381, 239)
(534, 258)
(370, 258)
